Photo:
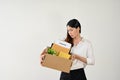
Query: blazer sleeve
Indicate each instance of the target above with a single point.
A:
(90, 55)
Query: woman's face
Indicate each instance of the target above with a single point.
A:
(73, 32)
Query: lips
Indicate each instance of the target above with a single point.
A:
(71, 35)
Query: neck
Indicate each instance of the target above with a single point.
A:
(77, 39)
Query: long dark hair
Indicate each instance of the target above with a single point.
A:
(74, 23)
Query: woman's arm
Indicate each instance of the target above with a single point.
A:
(75, 56)
(89, 59)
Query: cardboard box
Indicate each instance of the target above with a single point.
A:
(58, 63)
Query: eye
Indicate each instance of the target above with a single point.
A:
(70, 30)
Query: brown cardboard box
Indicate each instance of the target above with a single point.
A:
(58, 63)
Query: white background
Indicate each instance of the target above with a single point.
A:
(28, 26)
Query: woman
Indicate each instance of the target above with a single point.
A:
(81, 51)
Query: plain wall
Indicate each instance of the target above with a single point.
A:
(28, 26)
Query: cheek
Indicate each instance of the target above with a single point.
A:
(74, 32)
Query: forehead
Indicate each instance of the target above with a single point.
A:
(69, 27)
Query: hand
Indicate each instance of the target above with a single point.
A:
(73, 57)
(42, 58)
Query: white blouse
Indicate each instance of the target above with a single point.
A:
(84, 49)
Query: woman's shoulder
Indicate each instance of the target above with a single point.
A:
(86, 41)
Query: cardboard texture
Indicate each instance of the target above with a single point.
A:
(57, 63)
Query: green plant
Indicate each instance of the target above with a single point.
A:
(51, 51)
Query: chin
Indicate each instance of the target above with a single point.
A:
(72, 37)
